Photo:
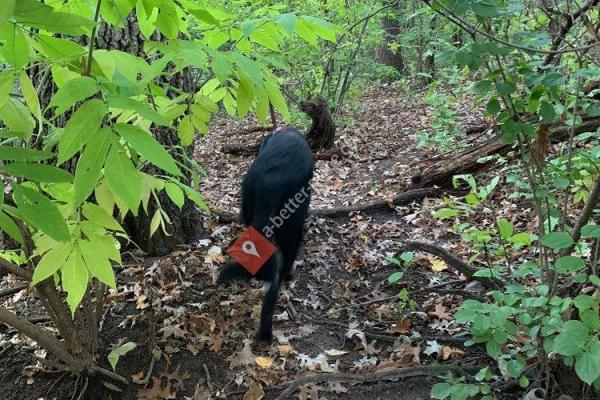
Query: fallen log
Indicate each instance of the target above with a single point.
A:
(402, 199)
(466, 161)
(375, 205)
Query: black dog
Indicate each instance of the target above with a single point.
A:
(275, 200)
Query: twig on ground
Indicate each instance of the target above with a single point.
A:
(453, 261)
(402, 373)
(12, 290)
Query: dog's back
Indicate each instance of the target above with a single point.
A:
(275, 201)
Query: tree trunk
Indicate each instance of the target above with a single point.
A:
(383, 52)
(321, 134)
(185, 223)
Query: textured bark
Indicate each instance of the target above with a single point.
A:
(466, 161)
(186, 225)
(321, 134)
(383, 54)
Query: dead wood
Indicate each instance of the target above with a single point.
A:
(466, 161)
(453, 262)
(12, 290)
(394, 374)
(254, 129)
(242, 149)
(321, 134)
(402, 199)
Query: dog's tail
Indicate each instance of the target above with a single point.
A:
(233, 272)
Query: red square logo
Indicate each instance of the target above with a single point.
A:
(251, 250)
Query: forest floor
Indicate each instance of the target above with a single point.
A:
(340, 314)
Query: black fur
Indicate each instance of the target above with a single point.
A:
(281, 170)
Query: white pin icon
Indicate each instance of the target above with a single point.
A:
(248, 247)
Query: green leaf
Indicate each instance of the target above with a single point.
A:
(557, 240)
(505, 228)
(41, 213)
(51, 262)
(572, 339)
(321, 27)
(221, 65)
(245, 94)
(15, 51)
(185, 131)
(17, 118)
(38, 15)
(287, 22)
(99, 216)
(587, 364)
(7, 10)
(10, 228)
(395, 277)
(591, 231)
(74, 277)
(146, 146)
(276, 98)
(73, 91)
(493, 107)
(250, 68)
(30, 95)
(441, 390)
(126, 103)
(443, 213)
(506, 88)
(547, 112)
(175, 193)
(123, 179)
(167, 21)
(155, 222)
(204, 15)
(84, 123)
(568, 264)
(113, 356)
(484, 10)
(483, 87)
(89, 165)
(10, 153)
(99, 266)
(195, 197)
(59, 49)
(37, 172)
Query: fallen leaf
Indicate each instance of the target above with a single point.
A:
(449, 352)
(335, 352)
(441, 312)
(243, 357)
(264, 362)
(157, 391)
(437, 264)
(402, 326)
(255, 392)
(285, 350)
(138, 378)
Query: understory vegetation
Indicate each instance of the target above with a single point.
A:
(453, 243)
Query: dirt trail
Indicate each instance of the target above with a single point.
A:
(338, 315)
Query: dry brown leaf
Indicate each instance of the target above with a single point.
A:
(255, 392)
(441, 312)
(449, 352)
(157, 391)
(243, 357)
(402, 326)
(138, 378)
